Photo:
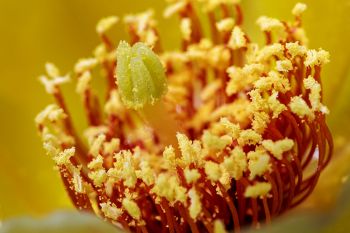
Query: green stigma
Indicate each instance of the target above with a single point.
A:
(140, 75)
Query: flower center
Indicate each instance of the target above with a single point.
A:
(219, 134)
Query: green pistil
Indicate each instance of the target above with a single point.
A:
(142, 82)
(140, 75)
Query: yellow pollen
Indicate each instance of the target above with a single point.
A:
(85, 65)
(259, 163)
(186, 30)
(99, 177)
(232, 130)
(63, 158)
(174, 8)
(110, 210)
(270, 51)
(225, 25)
(191, 175)
(279, 147)
(284, 65)
(260, 121)
(96, 163)
(295, 49)
(249, 137)
(52, 70)
(316, 58)
(215, 143)
(146, 173)
(195, 207)
(276, 107)
(132, 208)
(258, 190)
(299, 107)
(269, 24)
(235, 164)
(106, 23)
(169, 157)
(299, 9)
(212, 170)
(237, 39)
(83, 83)
(315, 92)
(190, 150)
(96, 145)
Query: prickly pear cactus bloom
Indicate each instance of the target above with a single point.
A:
(219, 134)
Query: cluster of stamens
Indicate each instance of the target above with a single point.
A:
(252, 138)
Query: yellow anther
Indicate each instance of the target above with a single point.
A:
(83, 82)
(195, 207)
(299, 107)
(235, 164)
(225, 25)
(191, 175)
(258, 190)
(299, 9)
(106, 23)
(186, 28)
(98, 177)
(237, 39)
(249, 137)
(132, 208)
(110, 210)
(284, 65)
(85, 65)
(295, 49)
(259, 163)
(212, 170)
(317, 58)
(279, 147)
(270, 24)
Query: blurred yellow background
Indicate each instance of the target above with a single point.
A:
(61, 31)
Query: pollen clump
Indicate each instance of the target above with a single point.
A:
(213, 135)
(132, 208)
(63, 157)
(191, 175)
(269, 24)
(259, 163)
(235, 164)
(106, 23)
(315, 92)
(98, 177)
(279, 147)
(249, 137)
(225, 25)
(196, 205)
(295, 49)
(186, 26)
(258, 190)
(237, 39)
(316, 58)
(300, 107)
(53, 78)
(111, 211)
(85, 64)
(213, 171)
(299, 9)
